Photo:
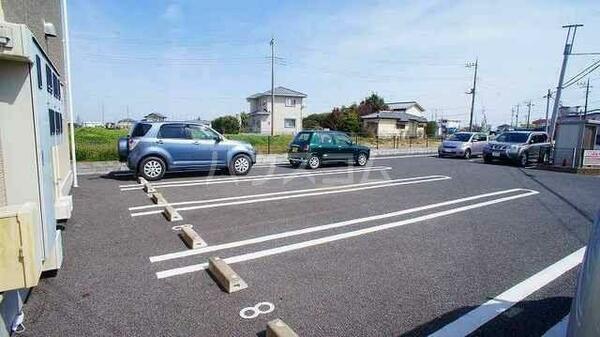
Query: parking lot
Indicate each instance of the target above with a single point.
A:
(406, 246)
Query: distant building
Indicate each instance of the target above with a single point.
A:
(154, 117)
(448, 126)
(125, 123)
(288, 111)
(402, 119)
(503, 128)
(92, 125)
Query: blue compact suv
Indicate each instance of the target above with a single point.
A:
(153, 148)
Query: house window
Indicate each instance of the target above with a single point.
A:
(289, 123)
(290, 101)
(52, 119)
(48, 78)
(55, 85)
(400, 125)
(38, 68)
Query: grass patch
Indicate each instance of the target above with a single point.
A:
(279, 144)
(97, 144)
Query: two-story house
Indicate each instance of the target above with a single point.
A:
(288, 111)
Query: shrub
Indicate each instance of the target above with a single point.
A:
(226, 124)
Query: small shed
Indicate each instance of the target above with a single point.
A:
(576, 139)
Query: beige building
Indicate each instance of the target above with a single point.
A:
(289, 105)
(402, 119)
(35, 168)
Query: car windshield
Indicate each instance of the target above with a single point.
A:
(460, 137)
(512, 137)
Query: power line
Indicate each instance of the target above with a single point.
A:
(590, 68)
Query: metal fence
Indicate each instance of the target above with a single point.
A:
(275, 144)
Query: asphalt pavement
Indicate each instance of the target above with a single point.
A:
(407, 246)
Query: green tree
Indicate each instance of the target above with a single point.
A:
(431, 129)
(371, 104)
(315, 121)
(245, 122)
(226, 124)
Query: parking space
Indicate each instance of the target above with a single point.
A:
(406, 246)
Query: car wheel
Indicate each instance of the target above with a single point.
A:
(313, 162)
(295, 164)
(152, 168)
(487, 159)
(240, 165)
(467, 154)
(523, 159)
(361, 159)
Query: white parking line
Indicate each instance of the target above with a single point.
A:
(190, 252)
(249, 196)
(496, 306)
(331, 238)
(321, 191)
(210, 181)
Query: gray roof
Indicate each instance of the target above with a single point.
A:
(399, 115)
(155, 114)
(395, 106)
(126, 120)
(279, 91)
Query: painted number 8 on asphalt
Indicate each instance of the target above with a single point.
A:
(258, 309)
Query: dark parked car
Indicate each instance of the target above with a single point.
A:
(517, 146)
(153, 148)
(316, 147)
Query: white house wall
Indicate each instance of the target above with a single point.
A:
(282, 112)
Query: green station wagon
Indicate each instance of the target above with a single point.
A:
(316, 147)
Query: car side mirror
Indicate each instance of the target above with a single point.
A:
(218, 138)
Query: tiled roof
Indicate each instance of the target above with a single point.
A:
(279, 91)
(401, 116)
(394, 106)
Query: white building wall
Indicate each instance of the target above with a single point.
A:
(262, 123)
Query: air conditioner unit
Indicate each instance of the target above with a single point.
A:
(12, 38)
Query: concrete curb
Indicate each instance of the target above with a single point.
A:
(105, 167)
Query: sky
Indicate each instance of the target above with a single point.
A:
(201, 59)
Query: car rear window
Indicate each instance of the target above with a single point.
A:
(302, 138)
(140, 130)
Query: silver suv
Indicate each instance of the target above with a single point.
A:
(517, 146)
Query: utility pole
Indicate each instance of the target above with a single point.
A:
(529, 105)
(547, 97)
(472, 92)
(587, 93)
(517, 117)
(102, 112)
(572, 29)
(512, 116)
(272, 85)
